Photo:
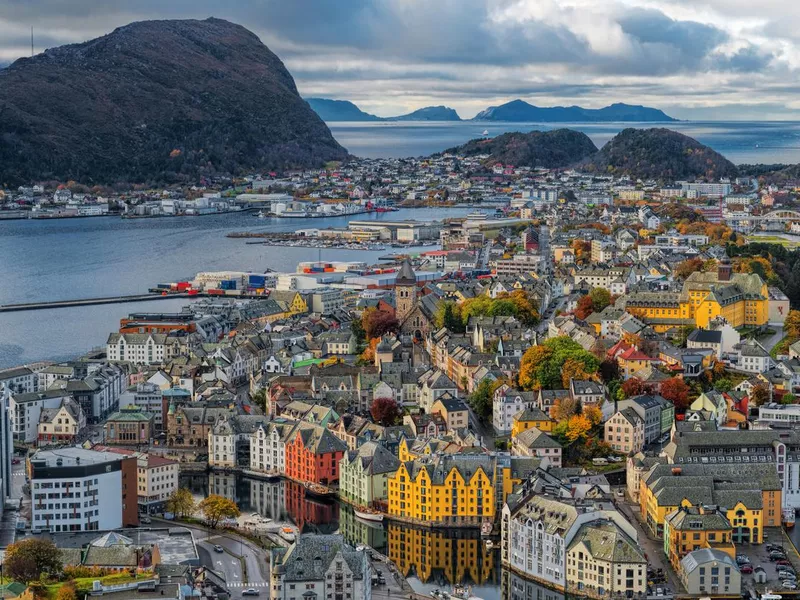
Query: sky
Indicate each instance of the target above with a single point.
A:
(694, 59)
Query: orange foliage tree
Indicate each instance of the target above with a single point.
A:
(578, 427)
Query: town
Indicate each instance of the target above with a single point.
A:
(585, 387)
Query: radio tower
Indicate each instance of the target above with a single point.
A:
(31, 40)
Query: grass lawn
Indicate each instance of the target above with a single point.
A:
(84, 584)
(771, 239)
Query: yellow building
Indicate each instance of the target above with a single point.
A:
(690, 528)
(741, 299)
(294, 301)
(435, 554)
(530, 418)
(455, 489)
(750, 496)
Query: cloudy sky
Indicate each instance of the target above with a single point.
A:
(695, 59)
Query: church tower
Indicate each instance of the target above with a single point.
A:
(405, 291)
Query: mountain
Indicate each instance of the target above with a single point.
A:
(339, 110)
(519, 110)
(429, 113)
(156, 101)
(658, 154)
(548, 149)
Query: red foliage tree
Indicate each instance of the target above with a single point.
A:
(385, 411)
(635, 387)
(584, 308)
(676, 391)
(377, 322)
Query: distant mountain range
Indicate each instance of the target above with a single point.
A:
(156, 101)
(344, 110)
(521, 111)
(514, 111)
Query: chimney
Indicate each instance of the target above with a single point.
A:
(724, 269)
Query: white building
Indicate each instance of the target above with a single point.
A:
(74, 489)
(506, 403)
(150, 398)
(136, 348)
(268, 446)
(26, 410)
(19, 380)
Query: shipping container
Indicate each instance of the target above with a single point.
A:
(163, 286)
(257, 281)
(193, 292)
(184, 285)
(216, 292)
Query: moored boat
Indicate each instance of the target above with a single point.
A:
(287, 533)
(321, 491)
(788, 518)
(368, 514)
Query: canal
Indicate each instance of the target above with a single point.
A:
(428, 558)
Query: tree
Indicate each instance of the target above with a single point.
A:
(792, 325)
(564, 408)
(378, 322)
(27, 560)
(600, 298)
(481, 398)
(676, 391)
(578, 427)
(788, 398)
(609, 370)
(385, 411)
(181, 503)
(215, 508)
(448, 315)
(759, 395)
(358, 331)
(633, 387)
(540, 367)
(584, 308)
(573, 369)
(68, 591)
(683, 269)
(593, 413)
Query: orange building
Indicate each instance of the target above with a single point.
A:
(313, 454)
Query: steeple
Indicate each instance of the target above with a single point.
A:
(405, 291)
(406, 274)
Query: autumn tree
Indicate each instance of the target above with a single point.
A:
(525, 310)
(385, 411)
(759, 395)
(676, 391)
(181, 503)
(573, 369)
(691, 265)
(368, 355)
(68, 591)
(634, 387)
(378, 322)
(215, 508)
(593, 413)
(541, 366)
(29, 559)
(448, 315)
(578, 427)
(564, 409)
(584, 307)
(791, 326)
(600, 298)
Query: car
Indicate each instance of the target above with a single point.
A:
(789, 585)
(775, 555)
(15, 461)
(250, 592)
(219, 548)
(771, 547)
(742, 559)
(144, 520)
(783, 563)
(787, 575)
(746, 568)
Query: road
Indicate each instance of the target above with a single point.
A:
(770, 342)
(255, 558)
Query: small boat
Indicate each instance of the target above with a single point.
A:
(368, 514)
(486, 528)
(476, 215)
(261, 215)
(287, 533)
(489, 544)
(462, 591)
(321, 491)
(485, 132)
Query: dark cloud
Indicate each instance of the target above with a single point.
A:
(746, 60)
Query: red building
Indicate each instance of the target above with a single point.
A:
(313, 455)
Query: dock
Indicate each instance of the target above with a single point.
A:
(89, 302)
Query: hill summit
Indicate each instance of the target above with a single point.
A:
(156, 101)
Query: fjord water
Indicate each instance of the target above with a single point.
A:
(105, 256)
(739, 141)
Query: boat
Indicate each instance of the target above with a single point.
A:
(368, 514)
(489, 544)
(486, 528)
(477, 214)
(287, 533)
(462, 591)
(788, 518)
(261, 215)
(485, 132)
(321, 491)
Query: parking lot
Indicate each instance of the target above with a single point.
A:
(759, 556)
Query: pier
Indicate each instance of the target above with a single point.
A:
(89, 302)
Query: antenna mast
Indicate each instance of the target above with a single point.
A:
(31, 40)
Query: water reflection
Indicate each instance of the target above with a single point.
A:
(428, 558)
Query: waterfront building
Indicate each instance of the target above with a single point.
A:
(313, 454)
(320, 566)
(268, 446)
(364, 474)
(74, 489)
(230, 438)
(605, 562)
(539, 528)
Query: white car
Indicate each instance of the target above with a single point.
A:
(789, 585)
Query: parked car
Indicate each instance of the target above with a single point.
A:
(773, 556)
(742, 559)
(145, 520)
(783, 563)
(219, 548)
(15, 460)
(786, 575)
(746, 568)
(789, 585)
(250, 592)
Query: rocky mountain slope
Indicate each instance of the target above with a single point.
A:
(548, 149)
(658, 154)
(156, 101)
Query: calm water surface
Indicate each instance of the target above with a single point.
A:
(105, 256)
(739, 141)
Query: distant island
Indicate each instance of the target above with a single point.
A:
(521, 111)
(344, 110)
(514, 111)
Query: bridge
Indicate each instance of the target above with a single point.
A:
(783, 215)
